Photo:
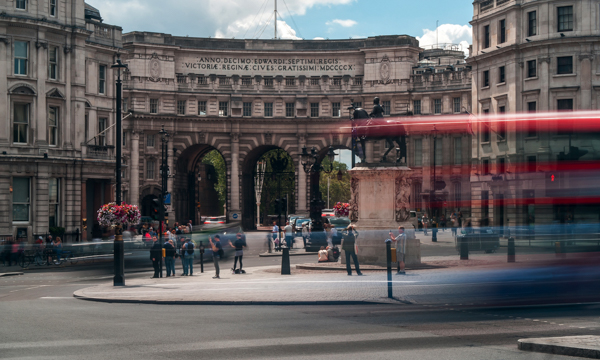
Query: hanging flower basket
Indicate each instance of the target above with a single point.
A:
(113, 215)
(341, 209)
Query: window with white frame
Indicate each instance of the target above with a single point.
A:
(337, 81)
(53, 63)
(268, 82)
(531, 23)
(53, 116)
(21, 4)
(314, 110)
(290, 82)
(21, 197)
(565, 18)
(21, 57)
(437, 106)
(456, 104)
(53, 8)
(54, 202)
(21, 123)
(246, 81)
(418, 151)
(223, 107)
(247, 108)
(153, 106)
(181, 107)
(336, 109)
(290, 109)
(268, 109)
(457, 151)
(102, 79)
(150, 169)
(314, 81)
(102, 123)
(202, 108)
(387, 107)
(150, 140)
(417, 107)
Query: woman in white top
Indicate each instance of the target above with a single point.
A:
(323, 254)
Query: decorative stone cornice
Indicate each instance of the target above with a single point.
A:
(544, 59)
(589, 57)
(41, 44)
(235, 137)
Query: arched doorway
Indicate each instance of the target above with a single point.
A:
(200, 184)
(279, 182)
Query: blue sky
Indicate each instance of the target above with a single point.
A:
(333, 19)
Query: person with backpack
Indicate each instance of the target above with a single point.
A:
(239, 245)
(217, 249)
(187, 254)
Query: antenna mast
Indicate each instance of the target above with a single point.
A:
(275, 13)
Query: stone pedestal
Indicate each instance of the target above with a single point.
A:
(380, 203)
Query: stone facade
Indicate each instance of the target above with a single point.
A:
(530, 56)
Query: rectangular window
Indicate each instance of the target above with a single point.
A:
(486, 36)
(102, 79)
(53, 125)
(125, 105)
(387, 107)
(21, 57)
(314, 110)
(531, 124)
(418, 152)
(501, 135)
(150, 170)
(150, 141)
(485, 131)
(486, 79)
(268, 109)
(437, 106)
(564, 65)
(53, 63)
(457, 151)
(21, 198)
(268, 82)
(531, 23)
(565, 104)
(456, 105)
(438, 151)
(153, 106)
(501, 163)
(502, 31)
(531, 68)
(223, 108)
(290, 82)
(337, 82)
(290, 110)
(246, 81)
(20, 123)
(531, 164)
(202, 80)
(102, 123)
(202, 108)
(358, 104)
(181, 107)
(314, 82)
(501, 74)
(54, 201)
(358, 81)
(21, 4)
(53, 8)
(336, 109)
(486, 167)
(565, 18)
(247, 109)
(417, 107)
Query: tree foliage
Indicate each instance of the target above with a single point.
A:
(277, 185)
(339, 191)
(215, 159)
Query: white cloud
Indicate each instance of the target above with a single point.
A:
(343, 23)
(221, 18)
(461, 35)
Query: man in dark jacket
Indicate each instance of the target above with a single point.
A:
(348, 245)
(155, 256)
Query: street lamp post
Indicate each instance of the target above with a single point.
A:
(164, 174)
(312, 165)
(119, 253)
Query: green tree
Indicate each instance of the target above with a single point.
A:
(276, 186)
(215, 159)
(339, 191)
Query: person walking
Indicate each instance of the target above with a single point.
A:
(349, 247)
(239, 245)
(305, 233)
(187, 254)
(155, 255)
(276, 236)
(169, 257)
(289, 235)
(217, 249)
(328, 234)
(400, 241)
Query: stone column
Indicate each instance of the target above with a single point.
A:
(586, 81)
(134, 169)
(302, 188)
(170, 162)
(543, 130)
(41, 123)
(4, 100)
(235, 175)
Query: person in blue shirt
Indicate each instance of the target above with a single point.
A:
(217, 249)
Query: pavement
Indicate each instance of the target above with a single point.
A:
(587, 346)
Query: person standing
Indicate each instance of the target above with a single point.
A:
(349, 247)
(187, 254)
(275, 235)
(239, 245)
(305, 233)
(289, 235)
(328, 234)
(169, 257)
(400, 241)
(190, 226)
(217, 249)
(155, 255)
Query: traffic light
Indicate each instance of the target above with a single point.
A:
(155, 209)
(278, 205)
(283, 205)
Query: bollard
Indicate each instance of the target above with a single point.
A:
(201, 257)
(285, 261)
(269, 244)
(511, 250)
(464, 249)
(388, 250)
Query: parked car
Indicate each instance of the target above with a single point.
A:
(298, 225)
(213, 221)
(340, 224)
(328, 213)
